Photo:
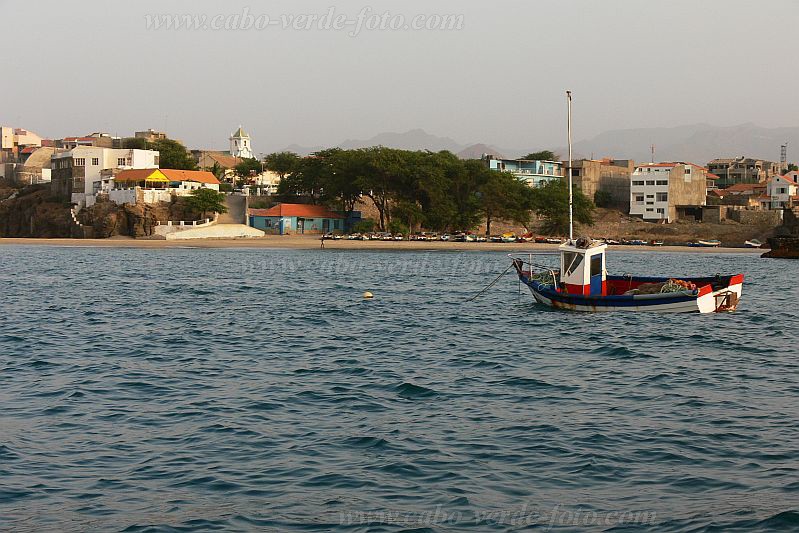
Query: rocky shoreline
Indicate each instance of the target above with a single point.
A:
(785, 243)
(783, 248)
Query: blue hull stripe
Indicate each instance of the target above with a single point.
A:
(610, 301)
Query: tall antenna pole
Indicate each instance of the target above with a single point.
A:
(784, 158)
(571, 200)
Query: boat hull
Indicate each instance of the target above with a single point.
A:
(713, 295)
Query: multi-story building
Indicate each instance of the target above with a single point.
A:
(742, 170)
(80, 172)
(611, 176)
(783, 191)
(534, 173)
(667, 191)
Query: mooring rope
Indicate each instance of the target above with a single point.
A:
(490, 284)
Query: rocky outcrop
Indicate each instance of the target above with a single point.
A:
(107, 219)
(785, 243)
(783, 248)
(33, 212)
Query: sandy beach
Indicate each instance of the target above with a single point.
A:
(313, 242)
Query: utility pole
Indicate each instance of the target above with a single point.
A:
(571, 201)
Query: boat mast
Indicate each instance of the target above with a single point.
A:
(571, 201)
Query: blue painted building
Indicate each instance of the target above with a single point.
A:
(535, 173)
(296, 219)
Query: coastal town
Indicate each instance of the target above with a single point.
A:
(150, 186)
(399, 266)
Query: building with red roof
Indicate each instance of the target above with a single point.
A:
(286, 219)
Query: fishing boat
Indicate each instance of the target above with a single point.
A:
(705, 244)
(580, 281)
(754, 243)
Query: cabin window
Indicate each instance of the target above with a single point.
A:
(596, 265)
(572, 262)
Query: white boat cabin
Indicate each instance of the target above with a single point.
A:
(582, 267)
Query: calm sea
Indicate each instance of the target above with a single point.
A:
(196, 390)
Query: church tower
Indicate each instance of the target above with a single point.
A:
(240, 144)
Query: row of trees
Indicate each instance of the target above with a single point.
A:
(409, 189)
(434, 190)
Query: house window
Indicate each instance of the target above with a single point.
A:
(649, 209)
(95, 161)
(650, 182)
(121, 162)
(648, 196)
(662, 197)
(662, 182)
(639, 198)
(638, 183)
(79, 162)
(661, 211)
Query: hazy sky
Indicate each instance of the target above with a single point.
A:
(70, 68)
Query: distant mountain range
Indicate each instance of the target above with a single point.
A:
(697, 143)
(417, 139)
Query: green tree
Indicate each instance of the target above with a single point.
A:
(552, 202)
(171, 153)
(792, 167)
(217, 170)
(207, 201)
(247, 167)
(364, 226)
(542, 155)
(503, 196)
(602, 198)
(282, 163)
(307, 176)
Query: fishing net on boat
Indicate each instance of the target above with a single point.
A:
(663, 287)
(544, 278)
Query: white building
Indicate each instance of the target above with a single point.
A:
(84, 170)
(267, 181)
(782, 191)
(659, 191)
(240, 144)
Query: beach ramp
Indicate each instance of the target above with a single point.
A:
(216, 231)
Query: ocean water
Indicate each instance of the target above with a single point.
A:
(236, 390)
